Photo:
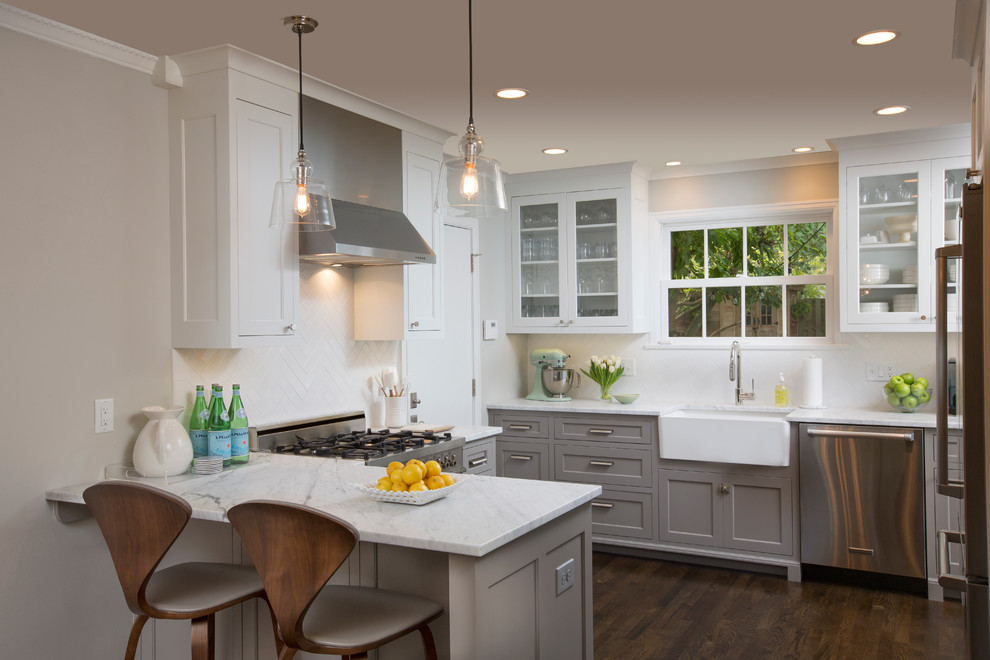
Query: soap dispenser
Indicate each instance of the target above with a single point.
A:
(780, 393)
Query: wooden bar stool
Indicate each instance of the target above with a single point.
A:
(296, 549)
(140, 523)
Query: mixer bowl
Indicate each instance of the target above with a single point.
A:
(557, 381)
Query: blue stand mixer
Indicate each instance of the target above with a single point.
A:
(553, 380)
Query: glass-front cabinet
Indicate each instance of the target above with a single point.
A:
(894, 216)
(572, 262)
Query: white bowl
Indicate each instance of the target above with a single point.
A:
(874, 273)
(902, 225)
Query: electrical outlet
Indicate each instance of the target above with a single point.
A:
(565, 576)
(630, 365)
(879, 372)
(104, 415)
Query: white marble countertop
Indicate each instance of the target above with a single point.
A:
(472, 433)
(480, 515)
(878, 417)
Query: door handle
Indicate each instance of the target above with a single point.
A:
(943, 486)
(945, 579)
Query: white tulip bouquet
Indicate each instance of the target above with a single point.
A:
(604, 371)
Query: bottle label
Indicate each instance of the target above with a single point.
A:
(239, 442)
(219, 443)
(240, 414)
(200, 443)
(204, 414)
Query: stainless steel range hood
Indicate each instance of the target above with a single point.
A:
(361, 159)
(366, 236)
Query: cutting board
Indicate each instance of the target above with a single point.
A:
(435, 428)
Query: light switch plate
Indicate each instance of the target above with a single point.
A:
(489, 330)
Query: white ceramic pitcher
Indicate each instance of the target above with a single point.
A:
(163, 447)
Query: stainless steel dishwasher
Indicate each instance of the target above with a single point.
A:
(862, 498)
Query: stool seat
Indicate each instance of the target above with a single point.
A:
(198, 588)
(359, 617)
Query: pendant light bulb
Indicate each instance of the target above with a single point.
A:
(470, 184)
(301, 200)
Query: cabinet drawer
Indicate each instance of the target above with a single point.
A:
(618, 513)
(523, 425)
(479, 456)
(609, 428)
(522, 460)
(608, 466)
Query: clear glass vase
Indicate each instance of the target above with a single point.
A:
(606, 392)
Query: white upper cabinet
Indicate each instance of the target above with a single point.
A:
(899, 199)
(235, 281)
(578, 242)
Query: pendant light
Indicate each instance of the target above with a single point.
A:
(301, 200)
(470, 184)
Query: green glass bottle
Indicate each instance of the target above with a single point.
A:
(238, 428)
(199, 423)
(218, 434)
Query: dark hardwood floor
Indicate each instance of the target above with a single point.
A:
(646, 608)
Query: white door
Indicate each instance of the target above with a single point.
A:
(442, 371)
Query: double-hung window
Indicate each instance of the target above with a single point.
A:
(759, 273)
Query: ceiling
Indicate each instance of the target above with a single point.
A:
(705, 83)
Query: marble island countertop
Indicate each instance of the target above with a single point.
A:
(480, 515)
(875, 416)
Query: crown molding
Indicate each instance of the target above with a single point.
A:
(66, 36)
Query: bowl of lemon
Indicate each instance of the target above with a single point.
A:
(413, 482)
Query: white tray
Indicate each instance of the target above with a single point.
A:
(418, 497)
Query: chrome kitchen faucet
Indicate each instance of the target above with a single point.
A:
(735, 374)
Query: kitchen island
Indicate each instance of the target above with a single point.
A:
(489, 551)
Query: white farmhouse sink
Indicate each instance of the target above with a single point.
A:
(751, 437)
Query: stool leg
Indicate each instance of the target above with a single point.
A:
(203, 634)
(429, 646)
(135, 636)
(286, 653)
(278, 638)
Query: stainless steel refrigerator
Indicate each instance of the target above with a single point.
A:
(971, 396)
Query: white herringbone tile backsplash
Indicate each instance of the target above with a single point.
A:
(327, 372)
(702, 375)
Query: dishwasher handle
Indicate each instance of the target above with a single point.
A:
(873, 435)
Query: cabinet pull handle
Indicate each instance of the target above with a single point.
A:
(945, 579)
(601, 431)
(943, 485)
(861, 551)
(519, 427)
(603, 505)
(601, 463)
(414, 324)
(520, 457)
(478, 461)
(723, 488)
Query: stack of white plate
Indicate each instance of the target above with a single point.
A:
(951, 268)
(873, 307)
(874, 273)
(906, 302)
(952, 303)
(910, 275)
(208, 465)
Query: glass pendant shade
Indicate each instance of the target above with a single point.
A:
(470, 184)
(302, 201)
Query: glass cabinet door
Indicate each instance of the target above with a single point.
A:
(540, 257)
(888, 205)
(948, 177)
(596, 257)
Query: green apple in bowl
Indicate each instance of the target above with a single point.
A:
(907, 393)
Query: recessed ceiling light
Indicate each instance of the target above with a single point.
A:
(891, 110)
(876, 37)
(554, 151)
(672, 163)
(802, 150)
(511, 93)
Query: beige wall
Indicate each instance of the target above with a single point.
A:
(772, 186)
(84, 293)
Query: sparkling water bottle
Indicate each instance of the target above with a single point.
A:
(218, 435)
(199, 423)
(238, 428)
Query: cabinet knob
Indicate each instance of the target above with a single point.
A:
(570, 322)
(291, 327)
(723, 488)
(414, 324)
(924, 317)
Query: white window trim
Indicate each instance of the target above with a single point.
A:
(661, 224)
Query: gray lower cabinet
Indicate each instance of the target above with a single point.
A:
(723, 510)
(623, 513)
(522, 460)
(479, 456)
(943, 513)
